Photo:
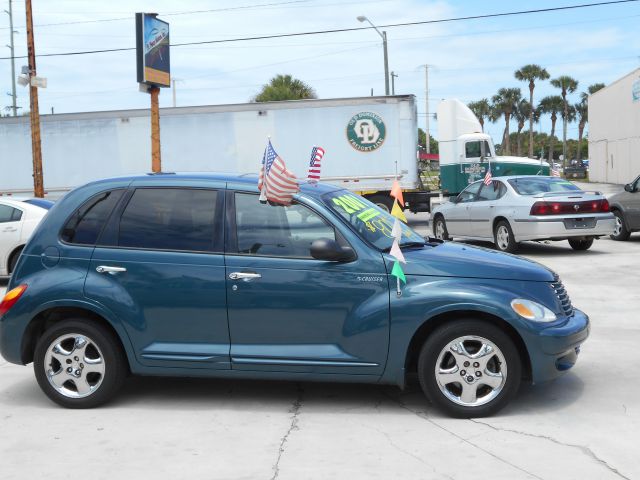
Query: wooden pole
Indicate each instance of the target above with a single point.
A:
(156, 165)
(38, 184)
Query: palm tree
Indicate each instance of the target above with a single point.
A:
(521, 114)
(551, 105)
(284, 87)
(504, 103)
(591, 89)
(569, 117)
(566, 85)
(582, 112)
(481, 109)
(530, 73)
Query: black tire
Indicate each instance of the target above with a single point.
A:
(621, 228)
(13, 261)
(510, 245)
(437, 351)
(579, 244)
(101, 344)
(385, 202)
(437, 222)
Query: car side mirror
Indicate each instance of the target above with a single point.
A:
(629, 188)
(329, 250)
(455, 199)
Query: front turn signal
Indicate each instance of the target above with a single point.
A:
(11, 298)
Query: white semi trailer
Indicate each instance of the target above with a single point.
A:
(369, 142)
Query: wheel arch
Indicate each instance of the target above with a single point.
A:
(497, 219)
(432, 324)
(616, 207)
(16, 251)
(53, 315)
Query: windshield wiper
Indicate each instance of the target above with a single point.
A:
(408, 245)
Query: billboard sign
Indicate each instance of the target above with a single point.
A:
(152, 50)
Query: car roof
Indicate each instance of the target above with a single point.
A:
(248, 179)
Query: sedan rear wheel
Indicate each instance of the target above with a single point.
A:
(469, 368)
(503, 237)
(620, 232)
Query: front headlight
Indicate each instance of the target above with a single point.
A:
(532, 311)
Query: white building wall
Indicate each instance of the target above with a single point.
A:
(614, 131)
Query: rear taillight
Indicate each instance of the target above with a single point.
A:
(568, 208)
(11, 298)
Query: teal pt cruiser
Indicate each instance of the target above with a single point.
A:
(191, 275)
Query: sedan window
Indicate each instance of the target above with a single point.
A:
(492, 192)
(272, 230)
(9, 214)
(469, 193)
(537, 185)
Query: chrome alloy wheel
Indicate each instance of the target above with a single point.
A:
(471, 371)
(74, 365)
(502, 237)
(439, 229)
(618, 228)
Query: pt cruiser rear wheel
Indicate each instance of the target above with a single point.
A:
(469, 368)
(78, 364)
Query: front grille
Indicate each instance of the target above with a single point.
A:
(563, 296)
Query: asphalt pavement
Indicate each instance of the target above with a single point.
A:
(583, 425)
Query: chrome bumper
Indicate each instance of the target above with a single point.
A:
(546, 228)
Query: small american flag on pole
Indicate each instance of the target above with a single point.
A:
(315, 163)
(487, 176)
(276, 183)
(555, 172)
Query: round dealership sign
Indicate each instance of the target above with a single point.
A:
(366, 131)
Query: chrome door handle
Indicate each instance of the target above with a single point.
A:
(246, 276)
(111, 270)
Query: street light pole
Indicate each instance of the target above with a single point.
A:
(393, 82)
(362, 18)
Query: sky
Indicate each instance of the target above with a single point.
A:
(468, 60)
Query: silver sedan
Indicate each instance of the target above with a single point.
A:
(513, 209)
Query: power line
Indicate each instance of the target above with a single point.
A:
(341, 30)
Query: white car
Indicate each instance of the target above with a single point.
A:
(513, 209)
(18, 220)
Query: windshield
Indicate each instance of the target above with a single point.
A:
(537, 185)
(369, 221)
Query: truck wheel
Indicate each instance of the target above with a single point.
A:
(385, 202)
(620, 232)
(469, 368)
(440, 228)
(503, 237)
(79, 364)
(578, 244)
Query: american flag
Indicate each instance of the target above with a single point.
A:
(487, 177)
(276, 183)
(555, 172)
(315, 163)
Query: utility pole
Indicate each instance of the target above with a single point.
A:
(393, 83)
(14, 108)
(386, 63)
(155, 130)
(38, 185)
(426, 103)
(173, 91)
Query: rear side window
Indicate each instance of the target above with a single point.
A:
(169, 219)
(86, 223)
(493, 191)
(9, 214)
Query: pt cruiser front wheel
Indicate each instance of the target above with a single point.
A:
(79, 364)
(469, 368)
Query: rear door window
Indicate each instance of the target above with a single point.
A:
(181, 219)
(9, 214)
(493, 191)
(86, 223)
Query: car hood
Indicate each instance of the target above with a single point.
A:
(458, 260)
